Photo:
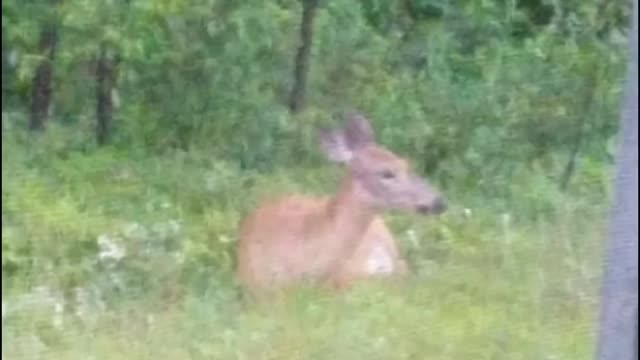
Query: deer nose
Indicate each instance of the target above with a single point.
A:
(438, 206)
(422, 209)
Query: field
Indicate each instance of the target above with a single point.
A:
(486, 284)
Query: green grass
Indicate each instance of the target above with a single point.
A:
(487, 283)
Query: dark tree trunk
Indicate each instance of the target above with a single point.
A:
(106, 72)
(41, 85)
(301, 67)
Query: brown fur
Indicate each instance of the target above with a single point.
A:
(339, 239)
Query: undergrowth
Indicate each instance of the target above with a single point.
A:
(110, 254)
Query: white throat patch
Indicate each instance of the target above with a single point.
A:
(379, 261)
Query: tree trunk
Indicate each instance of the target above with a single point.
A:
(41, 85)
(105, 83)
(301, 67)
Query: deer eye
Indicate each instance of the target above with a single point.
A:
(387, 174)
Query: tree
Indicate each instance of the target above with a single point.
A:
(41, 88)
(106, 75)
(301, 67)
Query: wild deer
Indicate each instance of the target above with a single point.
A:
(339, 239)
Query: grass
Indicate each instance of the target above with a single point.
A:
(487, 283)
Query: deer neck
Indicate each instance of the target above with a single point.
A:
(340, 228)
(349, 214)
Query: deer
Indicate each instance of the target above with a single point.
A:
(336, 240)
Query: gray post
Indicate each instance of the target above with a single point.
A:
(618, 333)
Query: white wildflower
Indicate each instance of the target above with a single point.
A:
(110, 249)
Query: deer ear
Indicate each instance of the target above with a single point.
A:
(358, 132)
(334, 145)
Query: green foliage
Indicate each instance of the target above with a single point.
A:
(139, 249)
(206, 71)
(127, 250)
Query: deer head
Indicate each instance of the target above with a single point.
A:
(386, 180)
